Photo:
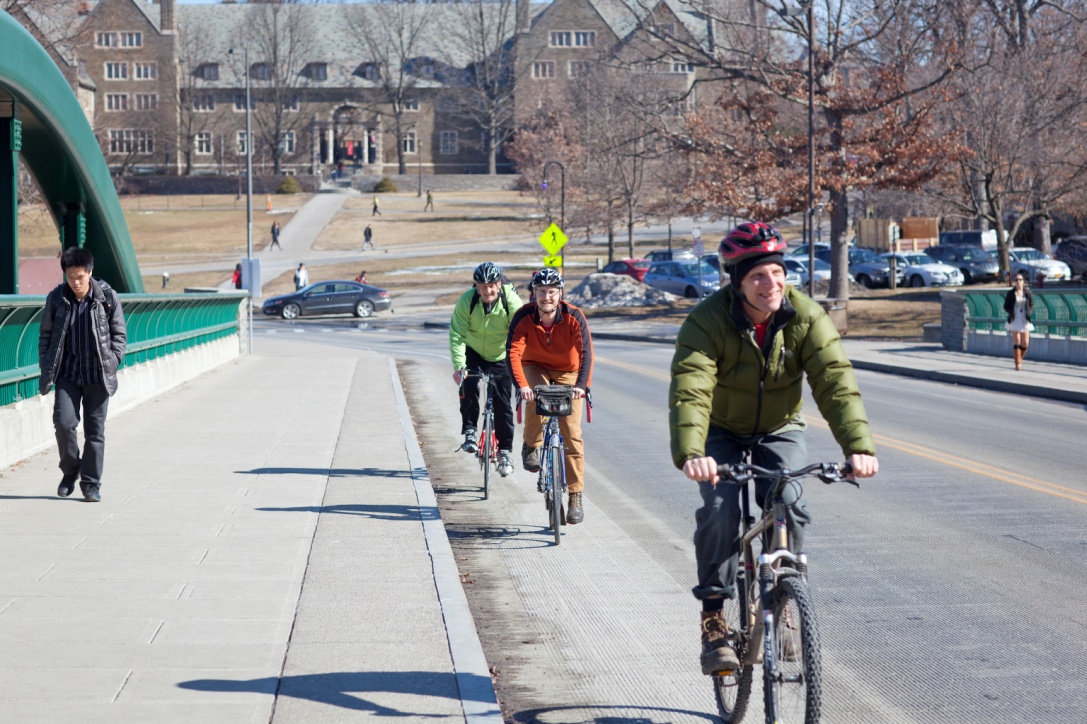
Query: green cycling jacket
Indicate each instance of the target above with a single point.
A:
(721, 377)
(472, 326)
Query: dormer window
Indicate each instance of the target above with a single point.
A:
(260, 71)
(427, 69)
(317, 71)
(369, 71)
(208, 71)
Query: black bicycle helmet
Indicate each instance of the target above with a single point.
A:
(547, 277)
(487, 273)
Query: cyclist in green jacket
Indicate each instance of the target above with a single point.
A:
(477, 343)
(740, 361)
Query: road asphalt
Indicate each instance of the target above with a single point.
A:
(265, 553)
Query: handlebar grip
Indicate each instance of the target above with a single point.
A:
(519, 401)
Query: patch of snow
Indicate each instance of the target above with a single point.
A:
(616, 290)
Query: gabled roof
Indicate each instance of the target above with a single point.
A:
(626, 16)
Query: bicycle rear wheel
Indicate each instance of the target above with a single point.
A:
(555, 464)
(486, 451)
(732, 690)
(794, 694)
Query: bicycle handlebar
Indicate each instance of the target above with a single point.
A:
(588, 406)
(827, 472)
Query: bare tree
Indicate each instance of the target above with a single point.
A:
(192, 98)
(391, 36)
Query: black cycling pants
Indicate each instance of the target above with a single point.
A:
(501, 395)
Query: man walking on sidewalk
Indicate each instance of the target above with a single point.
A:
(81, 344)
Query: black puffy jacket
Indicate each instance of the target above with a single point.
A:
(109, 331)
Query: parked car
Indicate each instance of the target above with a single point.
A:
(801, 252)
(1073, 252)
(976, 265)
(635, 268)
(335, 297)
(921, 270)
(674, 255)
(799, 266)
(1036, 266)
(681, 277)
(970, 237)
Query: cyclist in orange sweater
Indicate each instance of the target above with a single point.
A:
(549, 344)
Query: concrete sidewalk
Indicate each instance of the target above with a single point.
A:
(268, 548)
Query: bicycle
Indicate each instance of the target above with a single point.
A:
(487, 445)
(772, 621)
(553, 402)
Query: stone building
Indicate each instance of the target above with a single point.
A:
(372, 88)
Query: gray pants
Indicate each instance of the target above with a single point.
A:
(717, 534)
(68, 399)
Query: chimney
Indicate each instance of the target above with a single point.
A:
(166, 17)
(523, 24)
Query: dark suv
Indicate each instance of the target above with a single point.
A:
(976, 264)
(1073, 252)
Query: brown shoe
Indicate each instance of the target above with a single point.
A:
(530, 458)
(574, 512)
(717, 652)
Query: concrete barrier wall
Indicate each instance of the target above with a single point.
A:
(26, 427)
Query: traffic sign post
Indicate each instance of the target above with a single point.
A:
(553, 239)
(553, 261)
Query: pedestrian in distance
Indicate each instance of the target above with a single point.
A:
(301, 277)
(738, 372)
(165, 279)
(1019, 305)
(376, 211)
(368, 238)
(275, 237)
(549, 344)
(236, 279)
(361, 278)
(477, 343)
(81, 343)
(429, 201)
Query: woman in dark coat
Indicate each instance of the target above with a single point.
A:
(1019, 304)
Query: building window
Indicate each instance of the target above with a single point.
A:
(241, 143)
(239, 102)
(585, 39)
(116, 101)
(131, 40)
(131, 141)
(411, 104)
(147, 71)
(116, 71)
(448, 144)
(290, 104)
(561, 39)
(203, 143)
(205, 103)
(147, 101)
(427, 69)
(580, 68)
(106, 40)
(543, 69)
(318, 71)
(682, 67)
(409, 142)
(208, 71)
(287, 146)
(369, 71)
(260, 71)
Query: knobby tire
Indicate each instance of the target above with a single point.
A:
(795, 696)
(733, 691)
(555, 463)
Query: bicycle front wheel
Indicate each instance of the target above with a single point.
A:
(486, 450)
(555, 463)
(794, 691)
(732, 690)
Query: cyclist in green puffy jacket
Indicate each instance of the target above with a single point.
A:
(737, 374)
(477, 343)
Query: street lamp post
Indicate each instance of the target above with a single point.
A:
(810, 7)
(562, 197)
(248, 197)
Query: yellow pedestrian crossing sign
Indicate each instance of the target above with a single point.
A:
(553, 239)
(553, 261)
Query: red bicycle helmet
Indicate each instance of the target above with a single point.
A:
(751, 238)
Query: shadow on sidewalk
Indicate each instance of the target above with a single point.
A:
(628, 714)
(374, 512)
(330, 472)
(524, 535)
(340, 689)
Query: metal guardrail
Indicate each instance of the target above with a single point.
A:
(1056, 314)
(158, 325)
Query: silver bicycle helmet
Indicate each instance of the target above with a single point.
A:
(547, 278)
(487, 273)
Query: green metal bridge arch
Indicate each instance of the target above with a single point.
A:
(41, 120)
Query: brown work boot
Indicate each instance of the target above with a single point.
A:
(717, 651)
(530, 458)
(574, 512)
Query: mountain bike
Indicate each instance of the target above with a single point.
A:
(772, 621)
(553, 402)
(487, 445)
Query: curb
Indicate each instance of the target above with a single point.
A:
(477, 695)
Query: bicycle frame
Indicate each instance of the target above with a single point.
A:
(552, 439)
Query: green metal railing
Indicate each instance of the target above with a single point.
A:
(1056, 314)
(158, 325)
